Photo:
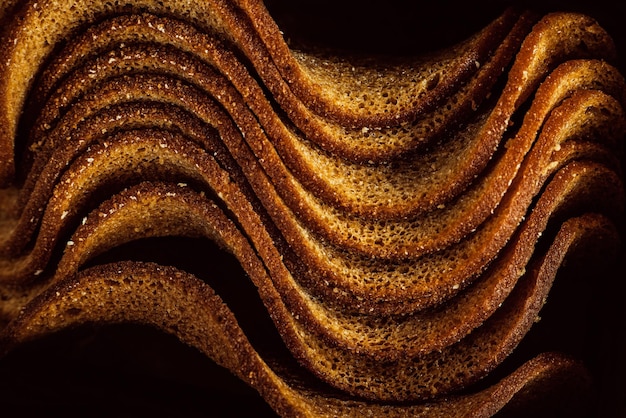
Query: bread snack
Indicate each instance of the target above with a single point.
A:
(399, 222)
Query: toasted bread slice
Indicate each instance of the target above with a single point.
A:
(381, 191)
(124, 156)
(606, 125)
(218, 18)
(543, 281)
(471, 358)
(385, 338)
(109, 294)
(393, 191)
(43, 177)
(348, 230)
(31, 38)
(383, 143)
(168, 220)
(350, 288)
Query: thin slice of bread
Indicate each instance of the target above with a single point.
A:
(41, 26)
(471, 358)
(397, 182)
(348, 231)
(546, 39)
(563, 124)
(76, 257)
(558, 159)
(383, 143)
(190, 224)
(217, 20)
(110, 294)
(37, 188)
(384, 338)
(387, 274)
(395, 194)
(439, 373)
(374, 292)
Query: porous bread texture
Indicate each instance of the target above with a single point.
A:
(589, 42)
(132, 215)
(42, 149)
(352, 193)
(364, 285)
(371, 90)
(328, 100)
(601, 47)
(384, 143)
(463, 363)
(361, 200)
(347, 291)
(76, 241)
(140, 87)
(46, 167)
(448, 220)
(44, 24)
(395, 184)
(345, 288)
(101, 126)
(151, 153)
(333, 227)
(333, 293)
(322, 356)
(390, 342)
(427, 330)
(110, 293)
(548, 44)
(186, 224)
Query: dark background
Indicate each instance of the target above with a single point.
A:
(128, 371)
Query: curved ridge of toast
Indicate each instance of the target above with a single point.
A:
(312, 77)
(185, 224)
(471, 358)
(426, 330)
(348, 276)
(304, 160)
(150, 153)
(361, 369)
(402, 236)
(448, 222)
(253, 177)
(337, 192)
(316, 213)
(305, 163)
(149, 28)
(37, 188)
(385, 338)
(69, 264)
(183, 158)
(218, 18)
(582, 102)
(545, 39)
(117, 286)
(278, 169)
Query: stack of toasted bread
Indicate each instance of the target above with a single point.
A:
(402, 219)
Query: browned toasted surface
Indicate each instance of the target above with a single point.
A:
(430, 233)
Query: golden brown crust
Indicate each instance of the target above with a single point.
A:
(402, 222)
(166, 222)
(116, 287)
